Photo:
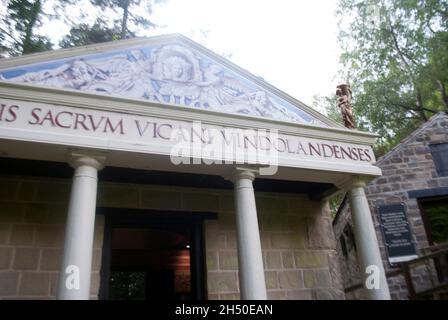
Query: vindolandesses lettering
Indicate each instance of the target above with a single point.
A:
(182, 139)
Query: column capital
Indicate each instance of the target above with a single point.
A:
(242, 173)
(352, 182)
(79, 158)
(358, 182)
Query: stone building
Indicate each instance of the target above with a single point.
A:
(415, 175)
(156, 169)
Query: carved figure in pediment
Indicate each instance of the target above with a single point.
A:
(169, 73)
(128, 75)
(177, 63)
(234, 96)
(210, 87)
(177, 71)
(261, 103)
(76, 74)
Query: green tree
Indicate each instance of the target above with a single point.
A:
(18, 28)
(84, 34)
(395, 59)
(112, 29)
(129, 10)
(20, 23)
(328, 105)
(438, 220)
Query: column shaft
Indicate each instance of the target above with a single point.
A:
(75, 273)
(367, 244)
(250, 259)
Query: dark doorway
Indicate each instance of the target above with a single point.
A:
(150, 263)
(435, 218)
(153, 255)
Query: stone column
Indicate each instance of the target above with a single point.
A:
(369, 256)
(75, 273)
(250, 258)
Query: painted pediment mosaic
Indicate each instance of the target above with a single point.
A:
(170, 73)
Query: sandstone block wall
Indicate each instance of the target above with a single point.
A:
(298, 249)
(32, 227)
(297, 239)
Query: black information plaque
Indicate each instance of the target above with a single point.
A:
(397, 233)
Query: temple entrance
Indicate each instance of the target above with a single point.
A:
(152, 256)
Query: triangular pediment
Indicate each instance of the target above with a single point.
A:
(166, 69)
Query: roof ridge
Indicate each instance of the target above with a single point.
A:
(405, 140)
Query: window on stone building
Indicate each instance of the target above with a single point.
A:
(439, 154)
(435, 217)
(435, 213)
(347, 240)
(343, 246)
(350, 237)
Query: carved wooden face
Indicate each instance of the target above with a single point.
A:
(343, 90)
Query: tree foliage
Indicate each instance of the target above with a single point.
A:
(20, 22)
(130, 17)
(18, 28)
(328, 105)
(84, 34)
(395, 57)
(438, 220)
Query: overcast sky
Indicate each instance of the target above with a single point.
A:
(292, 44)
